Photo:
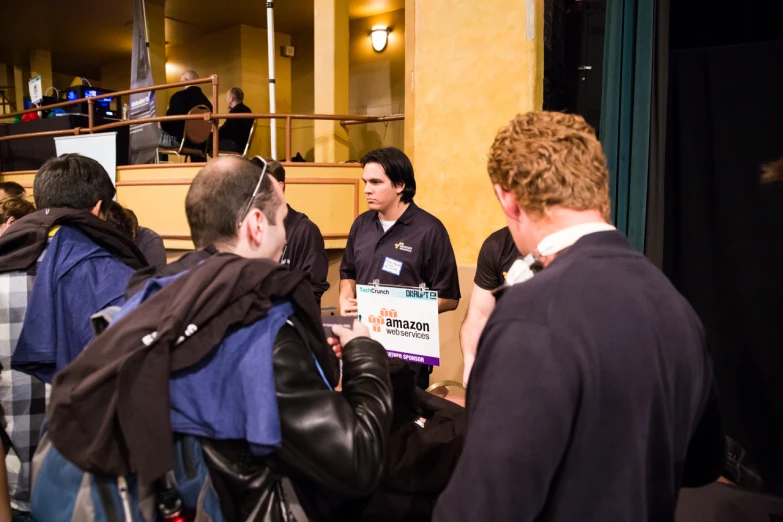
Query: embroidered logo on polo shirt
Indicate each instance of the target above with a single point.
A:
(403, 247)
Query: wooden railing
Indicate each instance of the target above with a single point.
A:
(344, 119)
(213, 117)
(91, 127)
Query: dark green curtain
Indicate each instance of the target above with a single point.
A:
(625, 111)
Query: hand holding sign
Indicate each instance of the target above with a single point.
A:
(345, 335)
(348, 306)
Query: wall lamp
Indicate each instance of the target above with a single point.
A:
(380, 36)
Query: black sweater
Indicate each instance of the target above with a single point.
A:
(590, 399)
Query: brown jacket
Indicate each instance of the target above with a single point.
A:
(23, 243)
(109, 410)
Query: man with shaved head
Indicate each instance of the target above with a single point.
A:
(171, 132)
(333, 443)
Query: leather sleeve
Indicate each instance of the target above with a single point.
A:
(335, 439)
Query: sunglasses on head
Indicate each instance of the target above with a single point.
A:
(255, 191)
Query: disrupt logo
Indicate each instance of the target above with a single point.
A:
(401, 246)
(421, 294)
(388, 318)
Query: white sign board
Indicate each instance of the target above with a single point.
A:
(403, 320)
(101, 147)
(36, 93)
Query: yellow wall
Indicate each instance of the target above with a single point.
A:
(41, 65)
(331, 196)
(332, 143)
(238, 55)
(377, 83)
(216, 53)
(21, 77)
(469, 70)
(303, 93)
(472, 70)
(255, 84)
(116, 75)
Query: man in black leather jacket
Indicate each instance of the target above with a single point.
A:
(333, 443)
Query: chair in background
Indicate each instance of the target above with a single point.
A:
(195, 136)
(441, 389)
(247, 145)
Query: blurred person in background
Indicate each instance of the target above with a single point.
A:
(13, 208)
(10, 189)
(149, 242)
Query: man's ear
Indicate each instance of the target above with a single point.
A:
(10, 221)
(400, 188)
(253, 227)
(96, 210)
(508, 202)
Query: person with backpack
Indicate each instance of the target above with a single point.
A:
(231, 350)
(58, 266)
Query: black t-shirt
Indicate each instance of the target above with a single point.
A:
(415, 250)
(237, 131)
(496, 256)
(182, 102)
(305, 252)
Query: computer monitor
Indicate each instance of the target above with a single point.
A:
(105, 107)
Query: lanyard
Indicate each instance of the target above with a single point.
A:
(521, 270)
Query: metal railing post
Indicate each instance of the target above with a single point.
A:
(288, 138)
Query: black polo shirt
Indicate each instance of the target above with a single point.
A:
(496, 256)
(415, 250)
(304, 251)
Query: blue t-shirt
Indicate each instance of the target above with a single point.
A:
(230, 393)
(75, 279)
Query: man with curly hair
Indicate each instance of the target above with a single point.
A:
(591, 395)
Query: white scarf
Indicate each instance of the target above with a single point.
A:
(520, 271)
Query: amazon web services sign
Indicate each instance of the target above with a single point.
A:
(403, 320)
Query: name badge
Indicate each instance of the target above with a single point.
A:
(392, 266)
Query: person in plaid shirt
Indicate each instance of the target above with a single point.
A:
(45, 308)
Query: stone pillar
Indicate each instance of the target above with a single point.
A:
(332, 143)
(41, 65)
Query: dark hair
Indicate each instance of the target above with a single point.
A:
(273, 167)
(12, 188)
(219, 194)
(72, 181)
(134, 220)
(397, 167)
(237, 93)
(15, 207)
(117, 216)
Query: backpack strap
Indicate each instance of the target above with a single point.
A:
(290, 321)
